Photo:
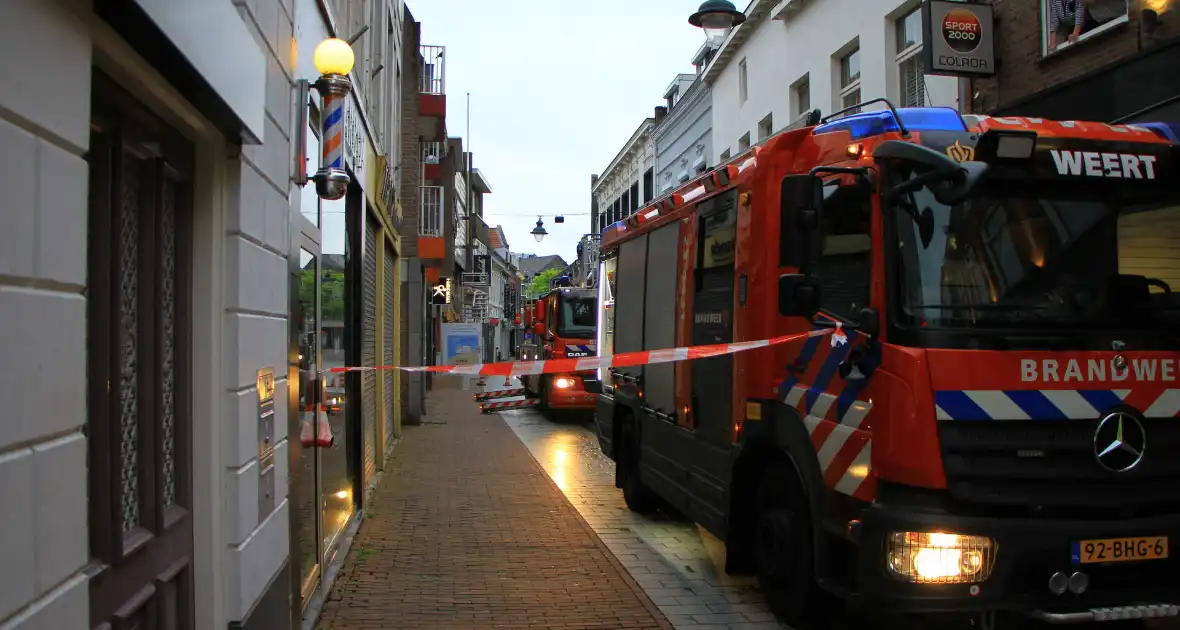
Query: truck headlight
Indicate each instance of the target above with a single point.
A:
(937, 558)
(563, 383)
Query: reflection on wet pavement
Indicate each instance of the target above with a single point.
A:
(678, 564)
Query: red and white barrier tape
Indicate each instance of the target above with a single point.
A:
(625, 359)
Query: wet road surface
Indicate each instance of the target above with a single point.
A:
(678, 564)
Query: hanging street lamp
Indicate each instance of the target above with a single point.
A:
(717, 18)
(539, 231)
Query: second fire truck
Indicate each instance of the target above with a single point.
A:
(564, 325)
(993, 428)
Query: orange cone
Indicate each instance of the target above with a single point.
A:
(507, 381)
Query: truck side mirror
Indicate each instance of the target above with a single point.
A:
(798, 296)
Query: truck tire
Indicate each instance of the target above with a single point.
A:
(638, 497)
(785, 551)
(543, 389)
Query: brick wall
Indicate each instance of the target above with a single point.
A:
(410, 166)
(409, 175)
(1023, 70)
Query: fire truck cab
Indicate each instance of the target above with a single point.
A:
(994, 426)
(564, 322)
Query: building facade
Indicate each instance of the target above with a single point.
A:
(345, 291)
(683, 139)
(183, 288)
(629, 181)
(793, 56)
(1116, 70)
(420, 194)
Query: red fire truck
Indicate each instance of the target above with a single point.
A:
(991, 429)
(564, 323)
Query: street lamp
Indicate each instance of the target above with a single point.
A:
(717, 18)
(539, 231)
(334, 59)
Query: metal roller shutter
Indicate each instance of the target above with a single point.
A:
(369, 348)
(390, 321)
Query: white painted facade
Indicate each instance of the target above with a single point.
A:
(787, 42)
(243, 207)
(626, 170)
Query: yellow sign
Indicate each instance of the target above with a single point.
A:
(719, 247)
(960, 153)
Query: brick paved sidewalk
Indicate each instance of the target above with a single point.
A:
(466, 531)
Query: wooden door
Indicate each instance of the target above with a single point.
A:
(140, 484)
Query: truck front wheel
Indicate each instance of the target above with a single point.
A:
(785, 550)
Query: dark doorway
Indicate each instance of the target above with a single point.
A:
(138, 359)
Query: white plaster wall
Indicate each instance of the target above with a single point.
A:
(254, 333)
(682, 136)
(45, 57)
(780, 52)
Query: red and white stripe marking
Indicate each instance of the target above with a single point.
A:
(507, 404)
(626, 359)
(499, 393)
(844, 450)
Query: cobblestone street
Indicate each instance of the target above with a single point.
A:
(467, 532)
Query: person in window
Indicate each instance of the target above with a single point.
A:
(1099, 12)
(1066, 19)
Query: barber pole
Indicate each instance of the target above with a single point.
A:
(333, 130)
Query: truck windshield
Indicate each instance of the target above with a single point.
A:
(577, 316)
(1038, 258)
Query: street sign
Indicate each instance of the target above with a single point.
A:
(440, 294)
(483, 264)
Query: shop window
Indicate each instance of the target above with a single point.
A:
(911, 75)
(1064, 22)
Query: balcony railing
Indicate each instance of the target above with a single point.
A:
(432, 152)
(434, 68)
(430, 220)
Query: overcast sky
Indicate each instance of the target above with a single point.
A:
(556, 89)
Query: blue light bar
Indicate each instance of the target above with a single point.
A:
(875, 123)
(1165, 130)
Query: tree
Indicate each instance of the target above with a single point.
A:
(540, 282)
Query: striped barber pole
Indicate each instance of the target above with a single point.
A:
(501, 393)
(333, 131)
(507, 404)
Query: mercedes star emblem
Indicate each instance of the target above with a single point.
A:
(1119, 442)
